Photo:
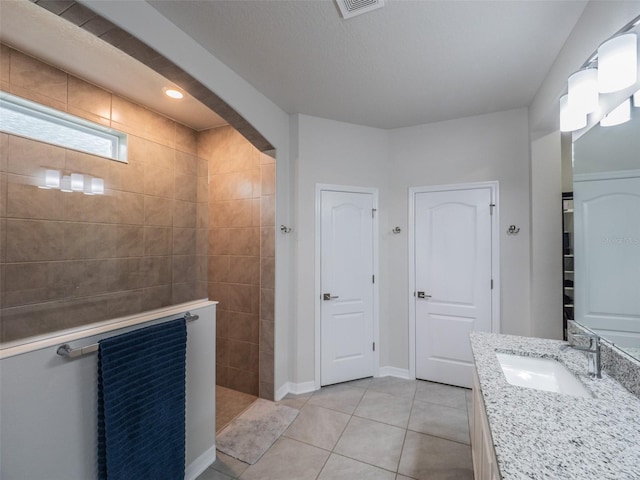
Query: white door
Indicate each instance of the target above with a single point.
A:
(453, 280)
(346, 278)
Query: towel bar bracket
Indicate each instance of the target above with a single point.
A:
(68, 352)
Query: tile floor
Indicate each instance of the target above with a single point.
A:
(372, 429)
(230, 404)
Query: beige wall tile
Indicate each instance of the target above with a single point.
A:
(266, 367)
(202, 189)
(255, 212)
(156, 297)
(219, 241)
(79, 162)
(89, 241)
(244, 270)
(268, 210)
(244, 327)
(183, 292)
(35, 97)
(202, 241)
(243, 381)
(152, 153)
(4, 151)
(218, 268)
(30, 157)
(158, 181)
(125, 303)
(219, 292)
(78, 112)
(267, 391)
(203, 168)
(222, 351)
(222, 323)
(90, 208)
(184, 241)
(184, 214)
(186, 188)
(267, 304)
(90, 277)
(158, 211)
(5, 61)
(129, 114)
(161, 130)
(186, 140)
(34, 240)
(130, 273)
(34, 283)
(25, 200)
(267, 242)
(231, 186)
(244, 241)
(268, 174)
(157, 240)
(129, 241)
(40, 78)
(128, 208)
(243, 355)
(267, 329)
(128, 177)
(186, 164)
(89, 98)
(266, 159)
(3, 194)
(243, 298)
(267, 272)
(157, 271)
(184, 268)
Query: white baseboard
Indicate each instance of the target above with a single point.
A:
(200, 464)
(395, 372)
(295, 388)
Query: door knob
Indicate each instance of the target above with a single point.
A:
(328, 296)
(423, 295)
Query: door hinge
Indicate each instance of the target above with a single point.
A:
(491, 207)
(373, 212)
(373, 279)
(374, 346)
(492, 284)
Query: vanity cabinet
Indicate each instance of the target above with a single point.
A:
(485, 466)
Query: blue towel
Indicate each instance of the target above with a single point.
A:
(141, 403)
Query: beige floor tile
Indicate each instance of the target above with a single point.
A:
(402, 477)
(342, 398)
(288, 460)
(362, 383)
(394, 386)
(426, 457)
(211, 474)
(295, 401)
(228, 465)
(318, 426)
(343, 468)
(385, 408)
(440, 421)
(447, 395)
(372, 442)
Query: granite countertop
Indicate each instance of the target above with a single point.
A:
(547, 435)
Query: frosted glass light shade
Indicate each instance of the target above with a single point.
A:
(636, 99)
(77, 182)
(97, 186)
(618, 63)
(65, 184)
(583, 90)
(51, 179)
(619, 115)
(571, 118)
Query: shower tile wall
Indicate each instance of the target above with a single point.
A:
(68, 259)
(241, 257)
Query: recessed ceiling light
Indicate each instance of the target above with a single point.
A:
(173, 93)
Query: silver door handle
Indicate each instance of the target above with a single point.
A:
(423, 295)
(328, 296)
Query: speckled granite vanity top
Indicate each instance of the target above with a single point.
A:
(546, 435)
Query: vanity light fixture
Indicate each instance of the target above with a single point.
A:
(173, 93)
(65, 184)
(571, 118)
(618, 63)
(51, 180)
(97, 186)
(583, 90)
(77, 182)
(619, 115)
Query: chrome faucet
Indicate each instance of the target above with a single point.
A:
(594, 365)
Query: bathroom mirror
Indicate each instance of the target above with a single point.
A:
(606, 188)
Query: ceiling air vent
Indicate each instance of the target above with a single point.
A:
(351, 8)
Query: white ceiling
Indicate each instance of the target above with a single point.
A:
(409, 63)
(35, 31)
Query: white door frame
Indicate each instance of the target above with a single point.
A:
(495, 258)
(320, 187)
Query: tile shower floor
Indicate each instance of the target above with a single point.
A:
(374, 429)
(230, 404)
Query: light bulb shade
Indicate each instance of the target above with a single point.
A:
(619, 115)
(77, 182)
(636, 99)
(65, 184)
(583, 90)
(51, 179)
(570, 118)
(97, 186)
(618, 63)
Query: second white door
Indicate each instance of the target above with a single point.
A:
(453, 281)
(347, 288)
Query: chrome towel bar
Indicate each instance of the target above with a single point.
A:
(66, 351)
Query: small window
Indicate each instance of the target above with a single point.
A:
(32, 120)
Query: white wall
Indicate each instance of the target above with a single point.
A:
(48, 416)
(546, 244)
(337, 153)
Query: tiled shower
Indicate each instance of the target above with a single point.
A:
(169, 229)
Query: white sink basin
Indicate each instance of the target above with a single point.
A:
(540, 374)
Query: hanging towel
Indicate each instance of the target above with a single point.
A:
(141, 403)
